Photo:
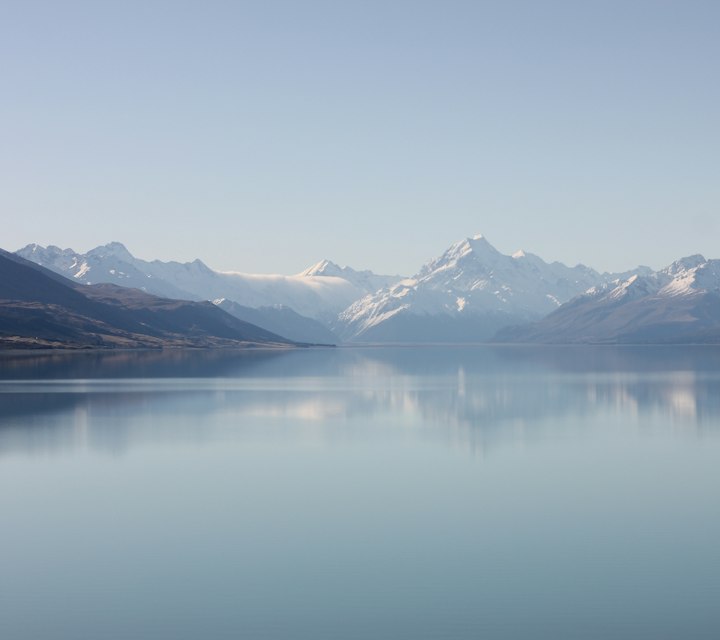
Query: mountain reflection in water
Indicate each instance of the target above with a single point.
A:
(476, 397)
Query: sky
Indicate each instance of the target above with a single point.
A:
(264, 136)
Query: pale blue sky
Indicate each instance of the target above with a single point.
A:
(263, 136)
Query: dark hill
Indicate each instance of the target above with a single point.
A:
(40, 309)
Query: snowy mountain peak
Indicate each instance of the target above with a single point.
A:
(632, 288)
(323, 268)
(685, 264)
(366, 280)
(519, 254)
(690, 276)
(479, 242)
(469, 251)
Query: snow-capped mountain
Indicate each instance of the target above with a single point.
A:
(466, 294)
(109, 263)
(680, 303)
(366, 280)
(320, 296)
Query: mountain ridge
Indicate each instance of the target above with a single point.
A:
(471, 292)
(316, 296)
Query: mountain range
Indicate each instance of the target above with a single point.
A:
(319, 292)
(304, 306)
(678, 304)
(469, 293)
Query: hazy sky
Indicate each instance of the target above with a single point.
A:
(263, 136)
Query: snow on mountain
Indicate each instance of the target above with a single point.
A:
(680, 303)
(471, 289)
(692, 275)
(111, 263)
(315, 296)
(366, 280)
(466, 294)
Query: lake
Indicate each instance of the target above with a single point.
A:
(365, 493)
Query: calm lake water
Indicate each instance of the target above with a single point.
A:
(408, 493)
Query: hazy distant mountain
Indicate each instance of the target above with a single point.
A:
(40, 309)
(366, 280)
(281, 320)
(466, 294)
(321, 292)
(679, 304)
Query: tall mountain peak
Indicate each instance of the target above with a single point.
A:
(466, 294)
(478, 241)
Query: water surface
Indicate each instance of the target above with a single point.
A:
(437, 492)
